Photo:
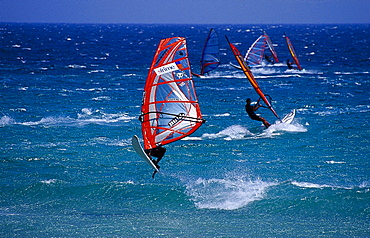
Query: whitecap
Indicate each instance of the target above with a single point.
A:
(6, 120)
(335, 162)
(49, 181)
(314, 185)
(190, 138)
(101, 98)
(226, 194)
(230, 133)
(76, 66)
(223, 115)
(288, 127)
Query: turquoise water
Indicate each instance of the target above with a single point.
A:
(71, 98)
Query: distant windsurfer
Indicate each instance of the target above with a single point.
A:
(269, 59)
(251, 112)
(158, 152)
(289, 64)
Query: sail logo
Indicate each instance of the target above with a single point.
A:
(166, 69)
(176, 119)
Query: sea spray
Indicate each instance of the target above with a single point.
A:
(227, 193)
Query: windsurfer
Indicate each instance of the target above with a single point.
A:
(158, 152)
(269, 59)
(289, 64)
(251, 112)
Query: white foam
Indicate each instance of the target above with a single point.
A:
(223, 115)
(111, 142)
(5, 120)
(335, 162)
(289, 127)
(227, 194)
(190, 138)
(49, 181)
(230, 133)
(87, 116)
(76, 66)
(314, 185)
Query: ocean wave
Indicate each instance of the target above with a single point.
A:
(49, 181)
(230, 133)
(111, 142)
(318, 186)
(330, 110)
(76, 66)
(335, 162)
(288, 127)
(6, 120)
(222, 115)
(264, 70)
(362, 187)
(87, 116)
(226, 194)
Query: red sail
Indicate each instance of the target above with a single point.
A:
(170, 109)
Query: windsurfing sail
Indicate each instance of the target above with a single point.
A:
(271, 47)
(211, 54)
(252, 80)
(170, 109)
(256, 53)
(292, 52)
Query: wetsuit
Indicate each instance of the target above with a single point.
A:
(158, 152)
(250, 110)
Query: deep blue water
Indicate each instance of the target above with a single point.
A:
(70, 101)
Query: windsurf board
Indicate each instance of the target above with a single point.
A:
(288, 118)
(140, 151)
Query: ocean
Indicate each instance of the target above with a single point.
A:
(70, 102)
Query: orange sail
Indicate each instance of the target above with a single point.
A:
(248, 73)
(292, 52)
(170, 109)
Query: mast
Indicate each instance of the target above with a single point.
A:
(248, 73)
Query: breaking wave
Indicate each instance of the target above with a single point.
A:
(228, 193)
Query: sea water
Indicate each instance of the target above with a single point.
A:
(70, 102)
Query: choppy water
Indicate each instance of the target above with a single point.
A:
(70, 98)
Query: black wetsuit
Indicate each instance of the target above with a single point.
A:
(251, 113)
(158, 152)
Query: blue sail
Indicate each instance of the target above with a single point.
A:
(256, 52)
(211, 53)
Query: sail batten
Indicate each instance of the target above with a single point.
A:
(170, 110)
(250, 77)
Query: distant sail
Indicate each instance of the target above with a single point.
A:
(252, 80)
(211, 54)
(256, 52)
(170, 109)
(292, 52)
(271, 48)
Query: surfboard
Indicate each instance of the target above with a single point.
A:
(140, 151)
(288, 118)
